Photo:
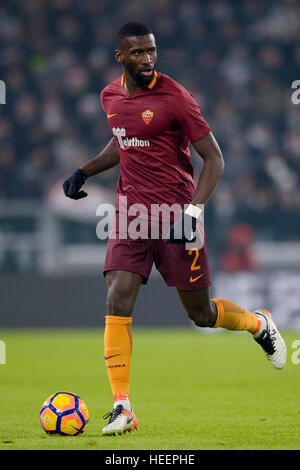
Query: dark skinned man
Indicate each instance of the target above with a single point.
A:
(153, 120)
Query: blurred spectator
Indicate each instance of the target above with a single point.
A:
(237, 58)
(239, 253)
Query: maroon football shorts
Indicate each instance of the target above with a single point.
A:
(185, 269)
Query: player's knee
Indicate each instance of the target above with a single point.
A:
(119, 302)
(201, 317)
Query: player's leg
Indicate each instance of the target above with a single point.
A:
(199, 307)
(122, 290)
(127, 265)
(188, 271)
(215, 313)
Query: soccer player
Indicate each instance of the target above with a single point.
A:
(153, 120)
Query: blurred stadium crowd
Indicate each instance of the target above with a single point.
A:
(237, 58)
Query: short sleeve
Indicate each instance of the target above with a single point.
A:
(185, 113)
(102, 99)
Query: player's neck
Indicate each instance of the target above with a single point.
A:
(130, 85)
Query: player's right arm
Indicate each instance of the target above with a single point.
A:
(108, 158)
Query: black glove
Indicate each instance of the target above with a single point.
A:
(73, 184)
(183, 230)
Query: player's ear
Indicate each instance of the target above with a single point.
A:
(119, 56)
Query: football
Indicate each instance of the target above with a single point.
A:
(64, 414)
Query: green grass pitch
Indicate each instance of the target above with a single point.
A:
(190, 390)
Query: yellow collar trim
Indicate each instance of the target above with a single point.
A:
(151, 85)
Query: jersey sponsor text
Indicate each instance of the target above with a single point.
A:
(120, 133)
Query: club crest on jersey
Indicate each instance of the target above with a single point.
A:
(147, 116)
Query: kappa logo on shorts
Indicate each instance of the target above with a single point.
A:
(147, 116)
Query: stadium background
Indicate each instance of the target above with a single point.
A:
(238, 59)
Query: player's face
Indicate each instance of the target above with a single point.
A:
(138, 56)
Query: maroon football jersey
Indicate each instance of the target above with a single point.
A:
(153, 130)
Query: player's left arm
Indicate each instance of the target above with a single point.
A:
(187, 116)
(213, 167)
(184, 229)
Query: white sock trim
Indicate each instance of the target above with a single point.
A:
(125, 403)
(263, 325)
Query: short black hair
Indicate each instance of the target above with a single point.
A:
(132, 29)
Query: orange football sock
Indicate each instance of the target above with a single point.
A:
(233, 317)
(117, 350)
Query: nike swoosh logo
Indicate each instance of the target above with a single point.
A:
(193, 279)
(129, 420)
(108, 357)
(111, 115)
